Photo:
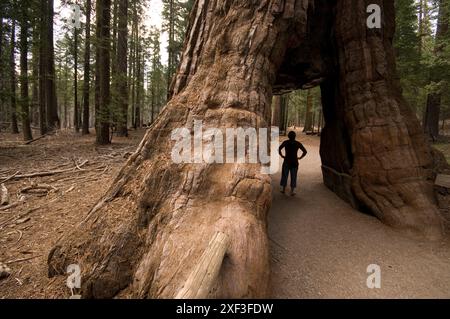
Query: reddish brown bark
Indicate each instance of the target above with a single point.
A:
(146, 233)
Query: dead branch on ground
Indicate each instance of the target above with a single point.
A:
(38, 188)
(42, 174)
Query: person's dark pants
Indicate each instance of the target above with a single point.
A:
(287, 169)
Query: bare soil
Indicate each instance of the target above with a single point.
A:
(30, 230)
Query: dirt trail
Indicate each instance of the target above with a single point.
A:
(321, 247)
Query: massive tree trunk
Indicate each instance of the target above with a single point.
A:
(145, 235)
(382, 162)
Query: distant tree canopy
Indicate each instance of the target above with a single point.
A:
(422, 41)
(63, 70)
(66, 64)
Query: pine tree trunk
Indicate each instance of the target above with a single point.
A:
(76, 122)
(133, 63)
(14, 126)
(170, 66)
(137, 123)
(115, 4)
(276, 110)
(153, 87)
(121, 62)
(50, 79)
(87, 70)
(421, 28)
(309, 112)
(284, 115)
(47, 80)
(35, 77)
(42, 67)
(24, 98)
(65, 96)
(433, 107)
(146, 234)
(103, 71)
(432, 115)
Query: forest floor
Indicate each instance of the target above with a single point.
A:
(321, 247)
(50, 206)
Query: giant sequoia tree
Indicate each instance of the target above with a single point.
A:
(146, 233)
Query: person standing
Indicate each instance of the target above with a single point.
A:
(291, 159)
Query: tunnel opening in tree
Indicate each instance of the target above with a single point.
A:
(157, 215)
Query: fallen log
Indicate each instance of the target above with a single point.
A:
(38, 138)
(38, 188)
(9, 177)
(13, 219)
(12, 205)
(21, 260)
(42, 174)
